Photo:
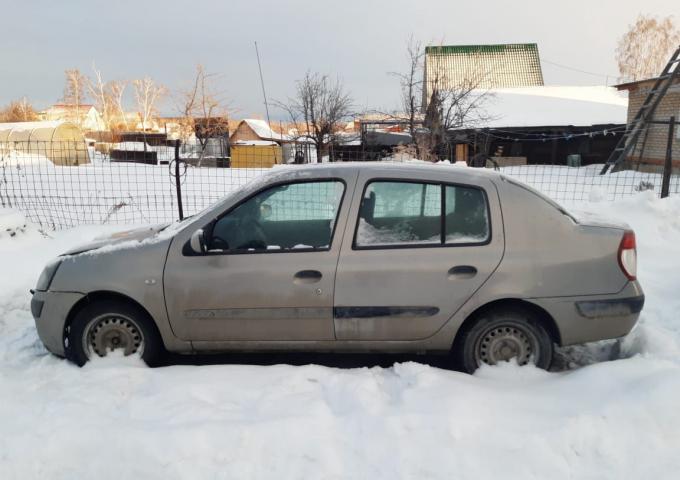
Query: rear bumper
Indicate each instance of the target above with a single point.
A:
(615, 307)
(50, 310)
(595, 317)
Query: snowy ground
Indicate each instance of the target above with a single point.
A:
(606, 411)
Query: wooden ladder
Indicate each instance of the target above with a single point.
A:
(629, 139)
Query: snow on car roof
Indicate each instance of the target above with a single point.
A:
(386, 167)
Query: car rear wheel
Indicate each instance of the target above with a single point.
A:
(107, 326)
(502, 335)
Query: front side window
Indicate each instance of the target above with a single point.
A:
(293, 216)
(411, 213)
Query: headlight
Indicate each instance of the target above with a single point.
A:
(48, 274)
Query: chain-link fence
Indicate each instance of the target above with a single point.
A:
(567, 164)
(61, 184)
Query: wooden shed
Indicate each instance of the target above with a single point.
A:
(255, 154)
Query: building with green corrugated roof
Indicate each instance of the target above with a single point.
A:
(480, 66)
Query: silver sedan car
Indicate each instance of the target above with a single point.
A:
(351, 258)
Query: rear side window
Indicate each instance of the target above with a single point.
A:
(397, 213)
(467, 215)
(394, 213)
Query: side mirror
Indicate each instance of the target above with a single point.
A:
(197, 242)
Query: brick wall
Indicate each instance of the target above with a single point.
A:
(657, 139)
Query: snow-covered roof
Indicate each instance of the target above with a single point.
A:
(263, 130)
(555, 106)
(25, 126)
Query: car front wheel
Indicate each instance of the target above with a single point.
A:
(106, 326)
(502, 335)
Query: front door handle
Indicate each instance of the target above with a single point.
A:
(462, 271)
(307, 276)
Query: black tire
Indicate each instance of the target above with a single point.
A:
(498, 334)
(105, 321)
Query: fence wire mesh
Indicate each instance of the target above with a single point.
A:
(579, 184)
(62, 184)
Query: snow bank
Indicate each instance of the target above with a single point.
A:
(12, 223)
(590, 418)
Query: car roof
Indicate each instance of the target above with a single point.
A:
(385, 168)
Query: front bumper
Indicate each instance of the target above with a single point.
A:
(50, 310)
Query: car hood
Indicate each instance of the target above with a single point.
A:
(119, 238)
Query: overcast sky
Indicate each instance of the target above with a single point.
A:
(360, 41)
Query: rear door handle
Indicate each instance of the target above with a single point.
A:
(462, 271)
(308, 276)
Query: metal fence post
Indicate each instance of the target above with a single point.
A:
(178, 181)
(668, 165)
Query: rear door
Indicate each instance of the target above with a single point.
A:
(414, 252)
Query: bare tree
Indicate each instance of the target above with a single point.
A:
(74, 94)
(318, 109)
(147, 94)
(117, 91)
(101, 93)
(451, 103)
(18, 111)
(203, 109)
(644, 49)
(411, 82)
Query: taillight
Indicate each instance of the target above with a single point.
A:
(628, 255)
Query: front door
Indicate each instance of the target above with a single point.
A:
(269, 272)
(415, 251)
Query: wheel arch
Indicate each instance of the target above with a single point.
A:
(102, 295)
(517, 304)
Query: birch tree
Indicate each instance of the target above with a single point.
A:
(75, 94)
(645, 48)
(117, 91)
(101, 94)
(147, 94)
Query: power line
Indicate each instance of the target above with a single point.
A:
(567, 67)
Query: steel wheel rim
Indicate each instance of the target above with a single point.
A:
(110, 332)
(504, 342)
